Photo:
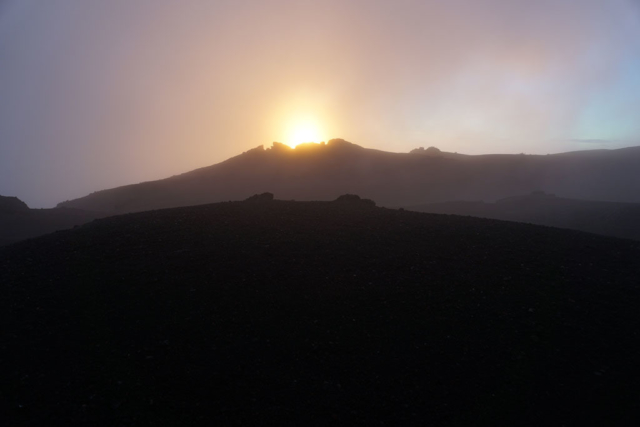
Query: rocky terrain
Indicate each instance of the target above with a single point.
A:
(316, 313)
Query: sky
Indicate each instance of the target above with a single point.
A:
(95, 94)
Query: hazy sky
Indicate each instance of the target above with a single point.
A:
(96, 94)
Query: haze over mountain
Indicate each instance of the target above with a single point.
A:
(323, 171)
(98, 94)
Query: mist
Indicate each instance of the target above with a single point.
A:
(99, 94)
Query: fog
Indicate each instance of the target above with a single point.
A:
(96, 94)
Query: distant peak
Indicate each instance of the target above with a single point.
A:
(279, 146)
(260, 198)
(12, 205)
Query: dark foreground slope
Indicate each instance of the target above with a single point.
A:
(318, 313)
(606, 218)
(20, 225)
(319, 172)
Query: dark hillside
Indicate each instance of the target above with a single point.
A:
(20, 224)
(10, 205)
(318, 313)
(606, 218)
(319, 172)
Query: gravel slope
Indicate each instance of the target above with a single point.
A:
(315, 313)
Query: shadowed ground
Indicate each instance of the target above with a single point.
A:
(318, 313)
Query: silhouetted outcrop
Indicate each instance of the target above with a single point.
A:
(353, 198)
(348, 198)
(12, 205)
(279, 146)
(264, 197)
(431, 151)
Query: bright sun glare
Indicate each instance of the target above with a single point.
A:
(303, 131)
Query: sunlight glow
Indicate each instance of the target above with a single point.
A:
(300, 131)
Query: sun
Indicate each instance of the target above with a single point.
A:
(305, 130)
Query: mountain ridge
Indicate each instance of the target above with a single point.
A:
(320, 171)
